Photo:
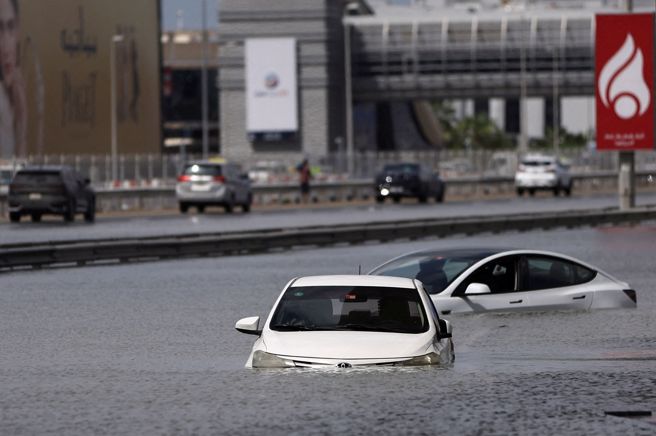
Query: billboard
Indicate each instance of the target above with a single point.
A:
(55, 73)
(624, 77)
(271, 89)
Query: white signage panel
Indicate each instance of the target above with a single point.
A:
(271, 88)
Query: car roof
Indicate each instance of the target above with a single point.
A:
(482, 252)
(355, 280)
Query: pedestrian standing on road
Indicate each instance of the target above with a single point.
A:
(304, 175)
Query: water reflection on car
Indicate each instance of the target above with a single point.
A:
(345, 321)
(503, 280)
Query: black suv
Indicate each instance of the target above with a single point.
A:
(58, 190)
(408, 180)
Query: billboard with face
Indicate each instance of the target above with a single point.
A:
(55, 93)
(624, 53)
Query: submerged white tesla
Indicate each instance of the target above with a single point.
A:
(346, 321)
(502, 280)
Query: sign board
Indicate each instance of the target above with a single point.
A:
(624, 78)
(55, 76)
(271, 89)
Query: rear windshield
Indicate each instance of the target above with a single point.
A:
(38, 177)
(537, 163)
(359, 308)
(202, 170)
(401, 168)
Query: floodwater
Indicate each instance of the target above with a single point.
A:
(150, 349)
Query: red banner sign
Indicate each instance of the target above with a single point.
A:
(624, 78)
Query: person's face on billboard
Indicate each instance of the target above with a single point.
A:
(8, 40)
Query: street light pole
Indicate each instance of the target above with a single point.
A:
(115, 39)
(523, 104)
(204, 85)
(349, 98)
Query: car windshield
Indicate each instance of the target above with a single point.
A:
(435, 271)
(401, 169)
(37, 177)
(202, 170)
(358, 308)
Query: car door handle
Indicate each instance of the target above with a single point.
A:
(516, 301)
(580, 297)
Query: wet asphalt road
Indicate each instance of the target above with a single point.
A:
(53, 229)
(150, 349)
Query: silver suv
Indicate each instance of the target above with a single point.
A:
(207, 183)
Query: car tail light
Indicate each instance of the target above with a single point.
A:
(184, 178)
(219, 179)
(631, 294)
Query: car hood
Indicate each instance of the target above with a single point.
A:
(347, 344)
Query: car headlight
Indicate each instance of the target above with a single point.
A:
(262, 359)
(426, 359)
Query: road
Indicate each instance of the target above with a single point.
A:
(150, 348)
(114, 227)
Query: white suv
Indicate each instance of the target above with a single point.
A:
(542, 172)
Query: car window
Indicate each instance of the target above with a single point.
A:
(435, 272)
(544, 272)
(401, 168)
(499, 274)
(360, 308)
(202, 170)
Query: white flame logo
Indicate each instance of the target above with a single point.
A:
(621, 83)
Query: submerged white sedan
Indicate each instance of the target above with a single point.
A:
(508, 280)
(346, 321)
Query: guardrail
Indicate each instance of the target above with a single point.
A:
(83, 252)
(155, 198)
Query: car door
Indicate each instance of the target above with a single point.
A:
(552, 283)
(500, 275)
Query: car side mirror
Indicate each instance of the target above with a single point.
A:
(249, 325)
(87, 181)
(446, 329)
(477, 289)
(244, 176)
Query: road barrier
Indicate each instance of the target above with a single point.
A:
(158, 198)
(83, 252)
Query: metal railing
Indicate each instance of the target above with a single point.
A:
(162, 170)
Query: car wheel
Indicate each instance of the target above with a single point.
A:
(531, 192)
(439, 198)
(556, 191)
(568, 190)
(380, 199)
(229, 205)
(246, 207)
(396, 199)
(36, 217)
(90, 213)
(422, 198)
(520, 192)
(14, 217)
(184, 207)
(200, 208)
(69, 213)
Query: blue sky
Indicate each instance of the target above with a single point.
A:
(191, 12)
